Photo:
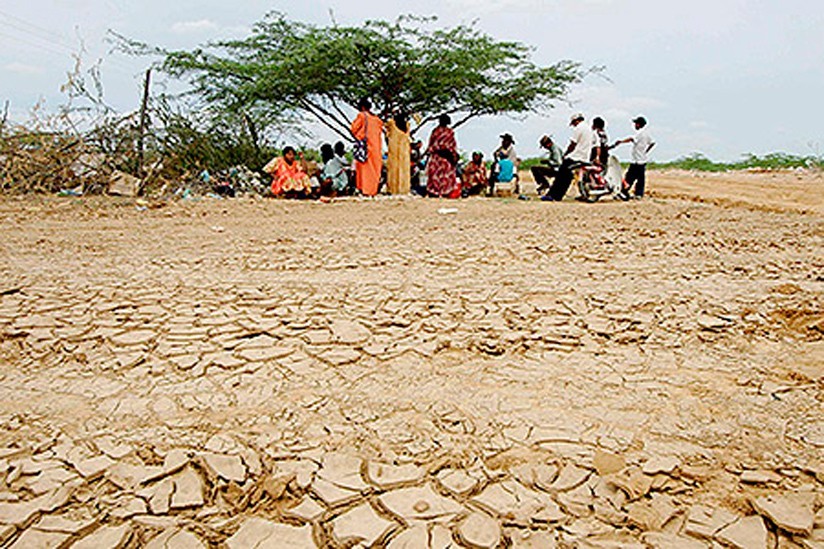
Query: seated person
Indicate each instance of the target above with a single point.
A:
(474, 178)
(577, 153)
(289, 177)
(549, 169)
(333, 176)
(507, 151)
(506, 178)
(340, 154)
(507, 148)
(416, 168)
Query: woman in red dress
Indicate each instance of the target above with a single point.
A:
(442, 179)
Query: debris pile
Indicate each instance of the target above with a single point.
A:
(48, 162)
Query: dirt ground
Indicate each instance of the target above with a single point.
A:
(799, 191)
(262, 373)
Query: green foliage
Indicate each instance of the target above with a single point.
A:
(699, 162)
(188, 144)
(289, 67)
(528, 163)
(772, 161)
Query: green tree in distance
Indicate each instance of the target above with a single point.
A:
(292, 68)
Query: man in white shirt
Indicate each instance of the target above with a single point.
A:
(578, 151)
(642, 144)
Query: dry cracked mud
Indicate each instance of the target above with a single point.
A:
(255, 373)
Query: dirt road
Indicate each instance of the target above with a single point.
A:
(247, 372)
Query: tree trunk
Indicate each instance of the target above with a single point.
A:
(253, 133)
(144, 107)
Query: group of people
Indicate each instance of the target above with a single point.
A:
(591, 146)
(292, 177)
(440, 161)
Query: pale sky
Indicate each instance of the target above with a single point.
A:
(720, 77)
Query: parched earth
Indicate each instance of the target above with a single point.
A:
(254, 373)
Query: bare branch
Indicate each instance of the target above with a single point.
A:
(465, 119)
(312, 110)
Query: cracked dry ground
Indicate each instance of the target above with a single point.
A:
(272, 374)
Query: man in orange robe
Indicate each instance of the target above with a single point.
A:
(366, 124)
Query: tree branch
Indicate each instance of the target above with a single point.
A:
(342, 121)
(311, 109)
(336, 107)
(465, 119)
(434, 117)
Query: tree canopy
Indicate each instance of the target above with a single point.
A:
(286, 67)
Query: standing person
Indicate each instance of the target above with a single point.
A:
(642, 144)
(398, 164)
(368, 126)
(578, 152)
(600, 146)
(542, 174)
(442, 179)
(507, 148)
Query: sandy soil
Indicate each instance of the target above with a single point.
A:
(801, 191)
(374, 372)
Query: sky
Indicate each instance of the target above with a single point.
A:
(719, 77)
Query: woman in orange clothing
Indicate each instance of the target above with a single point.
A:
(367, 125)
(289, 176)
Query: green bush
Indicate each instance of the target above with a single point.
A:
(528, 163)
(772, 161)
(699, 162)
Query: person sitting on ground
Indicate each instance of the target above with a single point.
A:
(549, 168)
(334, 179)
(289, 177)
(416, 168)
(340, 155)
(313, 171)
(642, 144)
(506, 150)
(474, 176)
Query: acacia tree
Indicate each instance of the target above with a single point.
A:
(289, 67)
